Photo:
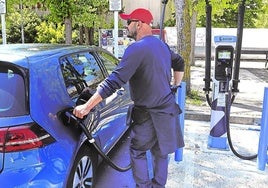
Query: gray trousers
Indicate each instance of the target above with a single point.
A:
(143, 138)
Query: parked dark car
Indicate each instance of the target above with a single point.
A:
(37, 82)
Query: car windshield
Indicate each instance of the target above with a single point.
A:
(12, 92)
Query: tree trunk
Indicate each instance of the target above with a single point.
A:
(81, 35)
(91, 35)
(183, 22)
(68, 30)
(87, 36)
(193, 32)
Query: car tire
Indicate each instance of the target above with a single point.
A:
(83, 173)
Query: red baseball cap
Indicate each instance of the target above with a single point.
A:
(141, 14)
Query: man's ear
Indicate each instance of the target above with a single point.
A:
(139, 24)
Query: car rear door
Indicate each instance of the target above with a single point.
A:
(12, 101)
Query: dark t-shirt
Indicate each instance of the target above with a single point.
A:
(146, 64)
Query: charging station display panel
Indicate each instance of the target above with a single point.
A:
(223, 62)
(224, 54)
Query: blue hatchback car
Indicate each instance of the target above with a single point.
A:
(37, 82)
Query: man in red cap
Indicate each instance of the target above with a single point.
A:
(147, 65)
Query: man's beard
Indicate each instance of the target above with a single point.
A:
(132, 35)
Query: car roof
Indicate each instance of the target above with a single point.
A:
(27, 53)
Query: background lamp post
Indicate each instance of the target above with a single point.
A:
(3, 11)
(22, 22)
(115, 6)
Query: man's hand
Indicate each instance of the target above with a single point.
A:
(174, 89)
(81, 110)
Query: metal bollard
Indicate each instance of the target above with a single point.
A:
(263, 139)
(180, 99)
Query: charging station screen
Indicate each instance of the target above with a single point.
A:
(224, 55)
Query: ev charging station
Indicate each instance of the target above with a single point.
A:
(224, 56)
(225, 82)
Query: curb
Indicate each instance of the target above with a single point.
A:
(246, 120)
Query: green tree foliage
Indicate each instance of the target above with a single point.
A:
(26, 21)
(228, 15)
(81, 13)
(50, 33)
(262, 21)
(89, 15)
(198, 6)
(225, 13)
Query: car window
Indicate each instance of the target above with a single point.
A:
(12, 92)
(109, 61)
(80, 71)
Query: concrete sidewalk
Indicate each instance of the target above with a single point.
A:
(201, 167)
(247, 106)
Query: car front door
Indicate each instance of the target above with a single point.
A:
(84, 71)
